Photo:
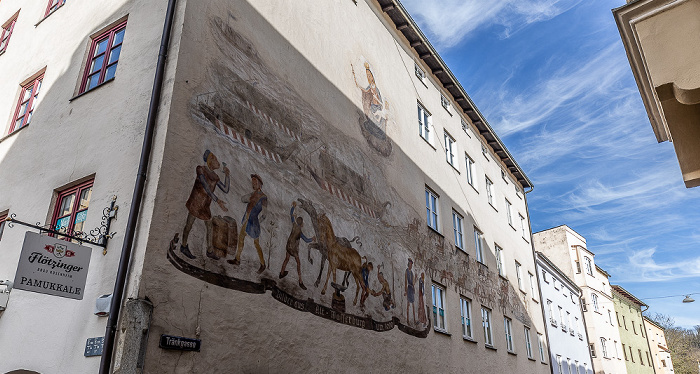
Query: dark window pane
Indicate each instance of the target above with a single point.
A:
(119, 37)
(114, 55)
(92, 81)
(85, 198)
(110, 72)
(97, 64)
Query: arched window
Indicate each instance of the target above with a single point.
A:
(589, 266)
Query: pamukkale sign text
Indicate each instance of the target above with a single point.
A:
(52, 266)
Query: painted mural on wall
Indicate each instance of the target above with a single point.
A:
(282, 200)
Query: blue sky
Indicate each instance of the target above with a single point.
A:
(553, 80)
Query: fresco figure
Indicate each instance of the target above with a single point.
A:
(385, 291)
(293, 244)
(367, 267)
(409, 291)
(198, 204)
(250, 224)
(421, 301)
(374, 123)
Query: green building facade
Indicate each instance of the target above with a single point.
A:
(635, 346)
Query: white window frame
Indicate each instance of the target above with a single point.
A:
(589, 265)
(470, 170)
(489, 191)
(540, 345)
(508, 328)
(594, 301)
(432, 209)
(485, 152)
(509, 213)
(603, 347)
(451, 150)
(465, 306)
(457, 224)
(425, 124)
(519, 274)
(533, 286)
(438, 308)
(486, 324)
(528, 343)
(465, 127)
(479, 245)
(561, 369)
(420, 73)
(445, 102)
(550, 308)
(523, 227)
(499, 262)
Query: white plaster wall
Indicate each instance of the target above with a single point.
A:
(99, 133)
(561, 342)
(330, 36)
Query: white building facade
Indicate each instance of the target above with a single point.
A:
(567, 250)
(659, 348)
(568, 340)
(314, 201)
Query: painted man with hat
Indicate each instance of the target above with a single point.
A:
(198, 205)
(254, 213)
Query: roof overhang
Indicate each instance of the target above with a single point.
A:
(626, 294)
(426, 52)
(626, 17)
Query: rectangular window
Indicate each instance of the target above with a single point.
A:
(489, 191)
(519, 274)
(603, 348)
(3, 217)
(589, 266)
(7, 32)
(523, 227)
(561, 318)
(591, 347)
(424, 124)
(478, 243)
(634, 328)
(485, 152)
(470, 170)
(445, 103)
(617, 352)
(431, 208)
(550, 309)
(466, 316)
(577, 367)
(509, 213)
(569, 366)
(540, 345)
(103, 58)
(499, 262)
(610, 317)
(641, 330)
(457, 224)
(631, 354)
(624, 322)
(71, 208)
(439, 308)
(508, 327)
(533, 285)
(450, 150)
(641, 358)
(53, 5)
(624, 351)
(528, 344)
(28, 99)
(465, 128)
(648, 358)
(420, 73)
(559, 366)
(486, 324)
(594, 300)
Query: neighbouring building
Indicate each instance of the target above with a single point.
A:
(661, 355)
(315, 200)
(568, 251)
(660, 39)
(635, 345)
(568, 340)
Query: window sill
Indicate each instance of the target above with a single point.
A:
(441, 331)
(90, 90)
(454, 167)
(532, 359)
(435, 231)
(13, 133)
(523, 291)
(535, 300)
(503, 277)
(474, 187)
(526, 241)
(491, 347)
(428, 142)
(512, 227)
(468, 339)
(512, 353)
(543, 363)
(47, 16)
(492, 206)
(3, 51)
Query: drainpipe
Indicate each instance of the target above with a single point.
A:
(125, 259)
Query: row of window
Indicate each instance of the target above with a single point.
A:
(432, 218)
(101, 67)
(624, 324)
(567, 322)
(628, 357)
(465, 306)
(424, 130)
(70, 211)
(572, 367)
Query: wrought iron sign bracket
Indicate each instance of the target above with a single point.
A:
(97, 236)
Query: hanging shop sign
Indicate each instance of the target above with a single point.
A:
(52, 266)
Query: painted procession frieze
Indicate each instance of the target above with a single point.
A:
(280, 200)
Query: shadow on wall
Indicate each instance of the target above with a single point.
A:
(267, 149)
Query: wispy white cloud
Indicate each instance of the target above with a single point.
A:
(448, 22)
(647, 269)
